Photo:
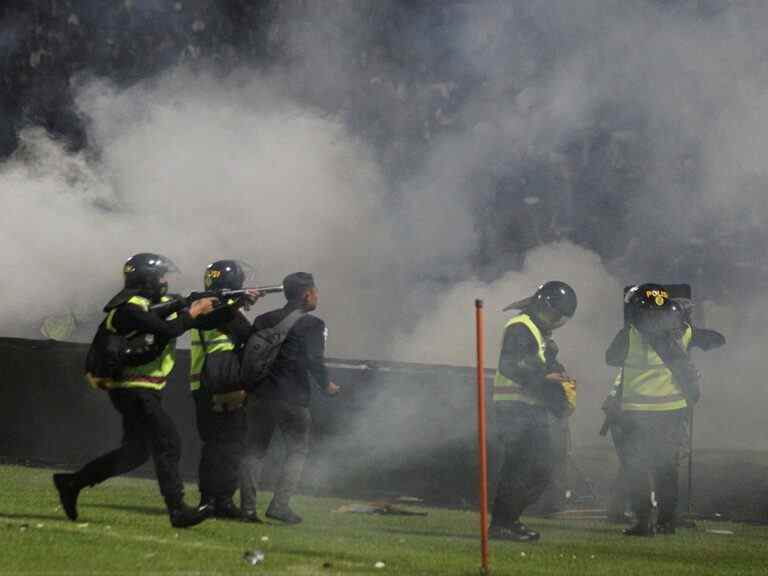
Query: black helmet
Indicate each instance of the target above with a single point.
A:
(651, 309)
(146, 271)
(553, 303)
(226, 275)
(558, 296)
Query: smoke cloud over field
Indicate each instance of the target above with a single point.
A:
(596, 142)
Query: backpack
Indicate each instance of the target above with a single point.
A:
(221, 370)
(110, 353)
(262, 348)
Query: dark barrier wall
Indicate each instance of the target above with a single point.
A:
(395, 430)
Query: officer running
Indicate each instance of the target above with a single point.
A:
(221, 416)
(530, 391)
(137, 395)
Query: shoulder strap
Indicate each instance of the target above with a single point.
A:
(287, 323)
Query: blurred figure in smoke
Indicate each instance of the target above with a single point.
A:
(530, 391)
(218, 390)
(142, 308)
(284, 398)
(649, 407)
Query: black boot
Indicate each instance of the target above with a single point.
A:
(183, 516)
(517, 532)
(225, 508)
(283, 513)
(250, 516)
(68, 489)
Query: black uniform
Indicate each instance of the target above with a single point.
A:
(147, 428)
(283, 402)
(222, 428)
(526, 429)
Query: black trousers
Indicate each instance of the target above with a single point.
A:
(147, 430)
(294, 421)
(620, 488)
(223, 438)
(651, 460)
(529, 459)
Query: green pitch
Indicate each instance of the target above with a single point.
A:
(123, 529)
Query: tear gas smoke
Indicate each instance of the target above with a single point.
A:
(496, 133)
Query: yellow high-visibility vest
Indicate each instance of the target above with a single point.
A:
(213, 341)
(507, 390)
(649, 386)
(154, 374)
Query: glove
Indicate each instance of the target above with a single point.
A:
(569, 388)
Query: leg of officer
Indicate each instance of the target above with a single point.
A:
(165, 445)
(527, 469)
(206, 430)
(638, 464)
(666, 469)
(133, 451)
(230, 429)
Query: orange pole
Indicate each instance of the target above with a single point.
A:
(482, 436)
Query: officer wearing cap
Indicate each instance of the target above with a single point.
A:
(143, 308)
(530, 391)
(284, 398)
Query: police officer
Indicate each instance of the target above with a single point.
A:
(137, 394)
(530, 390)
(217, 390)
(284, 398)
(656, 388)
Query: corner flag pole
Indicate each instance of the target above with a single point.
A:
(482, 436)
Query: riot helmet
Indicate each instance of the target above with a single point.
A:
(553, 303)
(652, 310)
(226, 275)
(146, 273)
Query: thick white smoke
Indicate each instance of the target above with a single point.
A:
(251, 165)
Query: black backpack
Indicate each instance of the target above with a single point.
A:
(110, 353)
(221, 370)
(262, 348)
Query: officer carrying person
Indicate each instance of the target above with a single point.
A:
(283, 398)
(217, 388)
(531, 389)
(654, 394)
(142, 308)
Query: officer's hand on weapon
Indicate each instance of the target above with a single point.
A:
(202, 306)
(332, 389)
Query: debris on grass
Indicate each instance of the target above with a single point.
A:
(39, 525)
(380, 508)
(379, 565)
(721, 532)
(253, 557)
(265, 538)
(83, 525)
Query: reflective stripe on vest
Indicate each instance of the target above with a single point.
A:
(215, 341)
(649, 385)
(152, 375)
(506, 390)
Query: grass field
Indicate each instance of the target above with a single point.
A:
(123, 529)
